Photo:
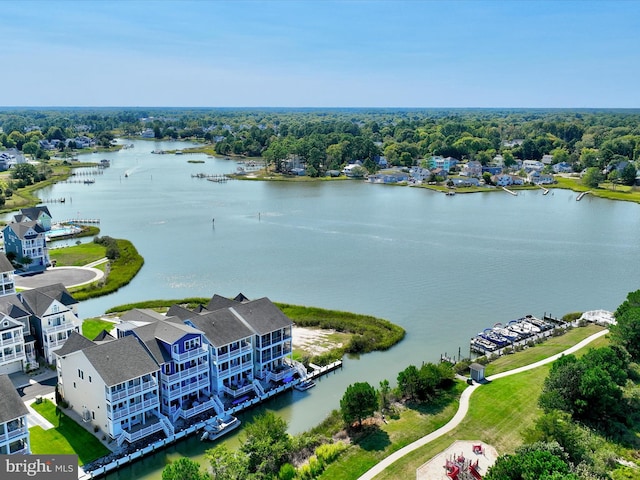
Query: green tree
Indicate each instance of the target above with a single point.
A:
(25, 172)
(184, 469)
(30, 148)
(227, 465)
(408, 382)
(628, 174)
(592, 177)
(626, 331)
(359, 401)
(539, 461)
(266, 444)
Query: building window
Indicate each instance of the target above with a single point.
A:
(81, 374)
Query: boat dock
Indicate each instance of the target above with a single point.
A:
(579, 197)
(515, 333)
(515, 194)
(79, 220)
(215, 177)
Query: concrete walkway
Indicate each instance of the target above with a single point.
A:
(464, 407)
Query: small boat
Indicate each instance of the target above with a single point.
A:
(304, 385)
(214, 430)
(126, 175)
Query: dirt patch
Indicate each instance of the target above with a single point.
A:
(314, 341)
(461, 452)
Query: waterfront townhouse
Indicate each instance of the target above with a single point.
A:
(231, 350)
(7, 281)
(112, 385)
(27, 242)
(183, 360)
(12, 354)
(14, 431)
(11, 307)
(38, 214)
(272, 344)
(53, 317)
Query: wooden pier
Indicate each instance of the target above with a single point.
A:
(515, 194)
(214, 177)
(81, 220)
(579, 197)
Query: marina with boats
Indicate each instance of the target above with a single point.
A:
(515, 332)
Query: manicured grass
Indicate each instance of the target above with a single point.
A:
(379, 442)
(92, 327)
(534, 354)
(605, 190)
(120, 273)
(78, 255)
(67, 437)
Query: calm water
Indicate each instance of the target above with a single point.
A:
(441, 267)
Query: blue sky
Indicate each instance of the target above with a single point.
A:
(289, 53)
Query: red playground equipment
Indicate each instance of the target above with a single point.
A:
(460, 468)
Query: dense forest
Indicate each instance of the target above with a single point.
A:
(328, 139)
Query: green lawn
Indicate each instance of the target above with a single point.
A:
(67, 437)
(92, 327)
(380, 442)
(78, 255)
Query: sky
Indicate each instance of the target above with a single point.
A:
(312, 53)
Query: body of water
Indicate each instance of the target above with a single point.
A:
(442, 267)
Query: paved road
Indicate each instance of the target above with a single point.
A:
(68, 276)
(464, 407)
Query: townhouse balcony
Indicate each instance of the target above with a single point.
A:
(191, 354)
(18, 432)
(195, 386)
(129, 391)
(141, 431)
(274, 340)
(133, 408)
(17, 339)
(235, 369)
(239, 391)
(189, 372)
(233, 353)
(65, 326)
(22, 451)
(196, 409)
(12, 357)
(281, 374)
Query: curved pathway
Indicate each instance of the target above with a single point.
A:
(464, 407)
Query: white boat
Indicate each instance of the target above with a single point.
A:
(304, 385)
(214, 430)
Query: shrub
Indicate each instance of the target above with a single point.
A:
(287, 472)
(329, 452)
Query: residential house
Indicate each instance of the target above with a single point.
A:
(7, 281)
(539, 178)
(562, 167)
(183, 357)
(419, 174)
(444, 163)
(11, 157)
(230, 344)
(529, 165)
(465, 182)
(492, 169)
(498, 160)
(38, 214)
(113, 385)
(26, 240)
(11, 306)
(440, 173)
(14, 429)
(351, 168)
(12, 355)
(513, 143)
(388, 176)
(547, 159)
(473, 168)
(148, 133)
(505, 180)
(53, 317)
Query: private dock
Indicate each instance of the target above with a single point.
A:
(579, 197)
(515, 194)
(214, 177)
(81, 220)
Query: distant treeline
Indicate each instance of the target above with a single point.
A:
(327, 139)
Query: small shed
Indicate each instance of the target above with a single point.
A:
(477, 372)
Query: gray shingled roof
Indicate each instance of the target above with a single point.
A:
(181, 312)
(120, 360)
(217, 302)
(5, 264)
(12, 306)
(38, 300)
(169, 332)
(11, 405)
(221, 327)
(142, 315)
(34, 212)
(20, 229)
(262, 315)
(11, 323)
(74, 343)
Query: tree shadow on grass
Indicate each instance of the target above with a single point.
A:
(437, 403)
(371, 438)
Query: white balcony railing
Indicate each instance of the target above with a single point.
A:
(128, 391)
(238, 391)
(195, 353)
(142, 432)
(189, 372)
(134, 408)
(66, 326)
